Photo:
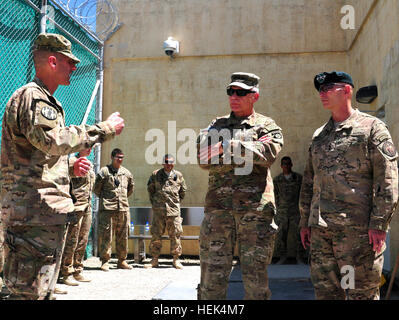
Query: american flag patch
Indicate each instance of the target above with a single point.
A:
(265, 139)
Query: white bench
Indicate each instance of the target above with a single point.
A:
(139, 247)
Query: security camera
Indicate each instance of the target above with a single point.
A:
(171, 47)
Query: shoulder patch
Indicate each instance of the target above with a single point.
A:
(46, 115)
(49, 112)
(388, 148)
(277, 135)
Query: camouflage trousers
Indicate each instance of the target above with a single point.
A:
(30, 266)
(109, 223)
(254, 233)
(288, 237)
(333, 252)
(173, 225)
(75, 245)
(2, 253)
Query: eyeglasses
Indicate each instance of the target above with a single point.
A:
(331, 86)
(238, 92)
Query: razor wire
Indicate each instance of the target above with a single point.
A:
(99, 16)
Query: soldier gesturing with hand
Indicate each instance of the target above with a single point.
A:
(35, 173)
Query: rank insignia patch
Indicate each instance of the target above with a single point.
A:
(49, 113)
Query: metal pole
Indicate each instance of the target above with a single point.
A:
(97, 152)
(93, 95)
(43, 16)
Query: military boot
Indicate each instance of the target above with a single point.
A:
(59, 291)
(176, 263)
(105, 266)
(68, 281)
(122, 264)
(80, 278)
(153, 263)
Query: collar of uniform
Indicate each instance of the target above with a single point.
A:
(233, 119)
(166, 175)
(113, 170)
(348, 123)
(44, 88)
(294, 175)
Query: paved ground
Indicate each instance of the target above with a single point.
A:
(287, 282)
(135, 284)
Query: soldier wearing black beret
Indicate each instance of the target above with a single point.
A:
(348, 196)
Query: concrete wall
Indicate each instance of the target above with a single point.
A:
(277, 40)
(374, 59)
(285, 42)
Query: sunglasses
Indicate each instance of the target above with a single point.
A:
(238, 92)
(331, 86)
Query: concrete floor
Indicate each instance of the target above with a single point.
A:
(287, 282)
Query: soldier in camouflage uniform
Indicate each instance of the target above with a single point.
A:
(348, 196)
(287, 186)
(35, 174)
(78, 232)
(113, 185)
(166, 188)
(239, 204)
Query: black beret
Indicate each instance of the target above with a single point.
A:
(332, 77)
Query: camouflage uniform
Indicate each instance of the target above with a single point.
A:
(114, 213)
(239, 208)
(287, 218)
(35, 184)
(78, 232)
(166, 192)
(1, 250)
(350, 185)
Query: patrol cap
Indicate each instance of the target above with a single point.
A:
(168, 159)
(55, 43)
(244, 80)
(332, 77)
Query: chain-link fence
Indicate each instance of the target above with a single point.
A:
(19, 26)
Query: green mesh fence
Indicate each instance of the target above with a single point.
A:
(19, 26)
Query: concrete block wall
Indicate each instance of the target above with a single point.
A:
(285, 42)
